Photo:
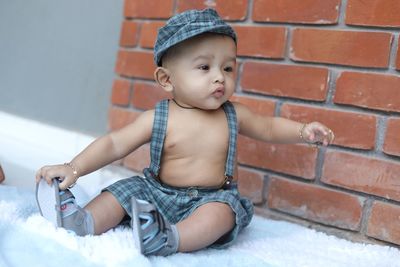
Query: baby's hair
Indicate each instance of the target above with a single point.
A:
(171, 53)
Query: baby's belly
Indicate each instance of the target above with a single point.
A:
(187, 174)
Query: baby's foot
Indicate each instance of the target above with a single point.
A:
(73, 217)
(61, 209)
(153, 234)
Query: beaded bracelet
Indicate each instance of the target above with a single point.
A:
(74, 171)
(301, 132)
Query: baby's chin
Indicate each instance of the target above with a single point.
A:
(213, 106)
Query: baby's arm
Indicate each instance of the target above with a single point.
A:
(280, 130)
(102, 151)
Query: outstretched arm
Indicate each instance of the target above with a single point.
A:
(280, 130)
(101, 152)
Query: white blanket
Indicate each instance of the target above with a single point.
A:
(28, 240)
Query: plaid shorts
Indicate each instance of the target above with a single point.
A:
(176, 204)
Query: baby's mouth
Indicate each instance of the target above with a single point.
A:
(219, 92)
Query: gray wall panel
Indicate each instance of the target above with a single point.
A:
(57, 60)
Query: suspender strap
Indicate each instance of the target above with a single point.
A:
(232, 124)
(158, 135)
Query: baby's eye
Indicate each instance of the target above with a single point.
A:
(204, 67)
(228, 69)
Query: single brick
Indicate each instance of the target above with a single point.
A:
(308, 83)
(135, 64)
(351, 48)
(228, 10)
(251, 184)
(315, 203)
(149, 32)
(368, 90)
(392, 138)
(129, 33)
(384, 222)
(148, 8)
(268, 42)
(381, 13)
(361, 173)
(120, 92)
(307, 12)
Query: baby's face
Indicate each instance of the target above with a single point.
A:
(203, 71)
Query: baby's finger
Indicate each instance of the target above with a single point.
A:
(63, 185)
(66, 183)
(331, 136)
(38, 175)
(322, 131)
(41, 173)
(328, 139)
(309, 135)
(325, 142)
(48, 174)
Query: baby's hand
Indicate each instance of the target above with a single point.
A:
(64, 172)
(316, 132)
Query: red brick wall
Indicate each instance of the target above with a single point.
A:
(334, 61)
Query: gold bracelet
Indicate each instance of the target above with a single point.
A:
(301, 131)
(74, 171)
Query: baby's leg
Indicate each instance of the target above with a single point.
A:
(106, 212)
(205, 225)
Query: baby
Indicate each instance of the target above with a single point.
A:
(188, 198)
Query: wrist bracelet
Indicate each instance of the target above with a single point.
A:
(74, 171)
(301, 132)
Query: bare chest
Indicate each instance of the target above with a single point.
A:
(197, 133)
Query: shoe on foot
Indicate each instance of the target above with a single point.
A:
(60, 208)
(152, 233)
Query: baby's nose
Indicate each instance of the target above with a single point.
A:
(219, 77)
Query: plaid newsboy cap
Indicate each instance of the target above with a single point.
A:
(187, 25)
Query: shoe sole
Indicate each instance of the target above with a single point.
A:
(135, 224)
(48, 200)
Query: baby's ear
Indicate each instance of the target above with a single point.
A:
(162, 77)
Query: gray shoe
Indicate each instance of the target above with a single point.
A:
(152, 233)
(73, 217)
(61, 209)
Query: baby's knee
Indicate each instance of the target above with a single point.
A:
(222, 212)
